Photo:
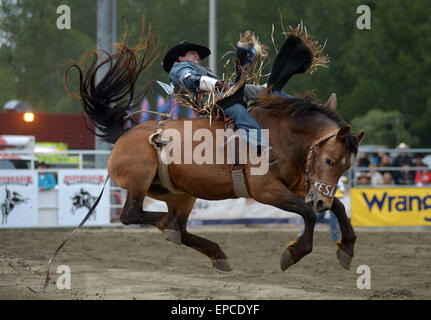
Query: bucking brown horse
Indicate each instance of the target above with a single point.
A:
(314, 147)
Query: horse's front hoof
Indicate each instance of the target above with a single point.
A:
(286, 260)
(172, 236)
(222, 265)
(345, 259)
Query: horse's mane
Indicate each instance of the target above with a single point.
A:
(282, 107)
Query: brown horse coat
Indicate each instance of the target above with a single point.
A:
(133, 166)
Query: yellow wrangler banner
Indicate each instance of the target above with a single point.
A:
(390, 207)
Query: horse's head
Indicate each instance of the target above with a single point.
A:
(329, 155)
(328, 158)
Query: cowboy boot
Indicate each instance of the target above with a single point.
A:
(294, 58)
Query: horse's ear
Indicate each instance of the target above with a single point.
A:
(360, 136)
(332, 102)
(343, 132)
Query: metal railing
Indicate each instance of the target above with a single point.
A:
(355, 171)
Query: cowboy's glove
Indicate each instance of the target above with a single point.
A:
(245, 56)
(222, 86)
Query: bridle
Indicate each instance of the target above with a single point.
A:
(326, 189)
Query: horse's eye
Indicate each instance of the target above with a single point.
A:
(329, 161)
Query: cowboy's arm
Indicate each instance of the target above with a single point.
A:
(183, 74)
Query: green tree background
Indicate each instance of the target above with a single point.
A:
(378, 74)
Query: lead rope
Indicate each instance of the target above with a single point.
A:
(54, 254)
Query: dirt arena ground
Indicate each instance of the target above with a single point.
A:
(137, 263)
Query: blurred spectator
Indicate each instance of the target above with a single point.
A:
(46, 180)
(423, 177)
(427, 160)
(375, 158)
(406, 176)
(400, 161)
(344, 181)
(376, 178)
(363, 179)
(387, 178)
(380, 155)
(385, 162)
(418, 161)
(363, 160)
(402, 158)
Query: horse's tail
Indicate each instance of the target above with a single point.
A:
(109, 101)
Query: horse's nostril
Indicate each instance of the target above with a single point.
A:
(319, 205)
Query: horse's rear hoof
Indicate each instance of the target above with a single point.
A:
(222, 265)
(172, 236)
(286, 260)
(344, 258)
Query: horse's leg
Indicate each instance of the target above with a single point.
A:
(277, 194)
(133, 213)
(346, 245)
(180, 207)
(177, 205)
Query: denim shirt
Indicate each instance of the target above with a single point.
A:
(187, 74)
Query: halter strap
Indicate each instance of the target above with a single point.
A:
(324, 188)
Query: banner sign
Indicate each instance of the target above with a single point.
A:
(391, 206)
(77, 192)
(230, 209)
(19, 198)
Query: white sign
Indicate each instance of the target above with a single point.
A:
(226, 209)
(19, 198)
(236, 209)
(77, 192)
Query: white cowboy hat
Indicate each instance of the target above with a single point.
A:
(403, 145)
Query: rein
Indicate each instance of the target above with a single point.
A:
(54, 254)
(324, 188)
